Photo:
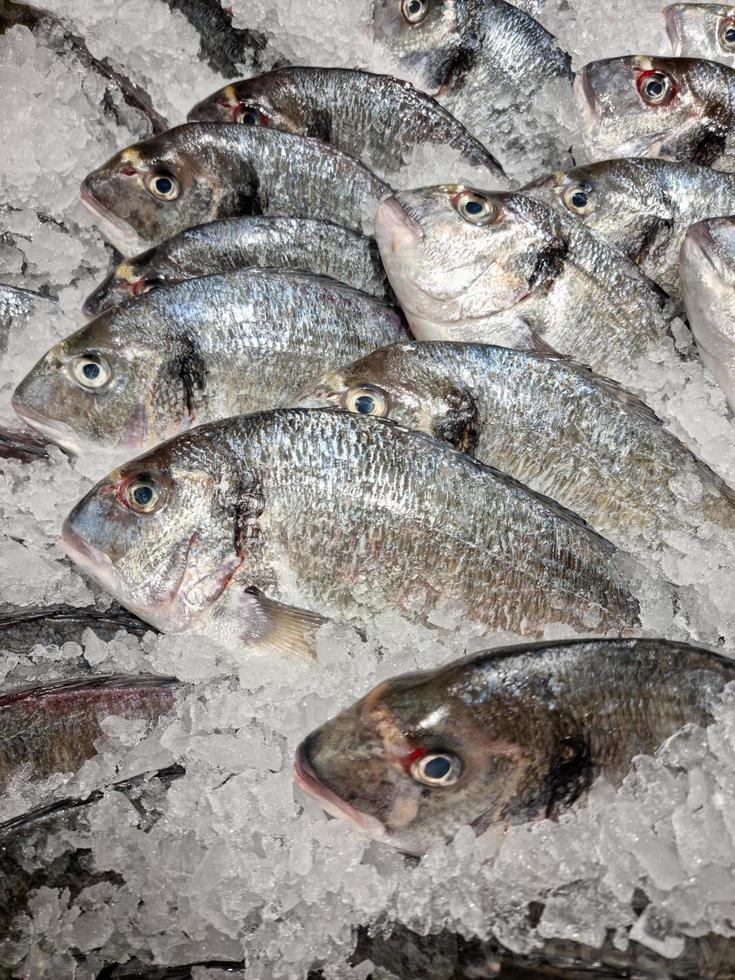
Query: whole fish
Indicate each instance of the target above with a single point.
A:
(549, 423)
(641, 205)
(504, 268)
(375, 118)
(708, 283)
(51, 729)
(215, 530)
(704, 30)
(198, 351)
(236, 243)
(504, 737)
(202, 171)
(673, 108)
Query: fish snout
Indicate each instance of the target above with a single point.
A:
(394, 226)
(672, 19)
(584, 92)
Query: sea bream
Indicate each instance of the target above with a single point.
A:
(641, 205)
(204, 171)
(702, 30)
(548, 422)
(378, 119)
(708, 281)
(224, 528)
(197, 351)
(504, 737)
(504, 268)
(673, 108)
(319, 247)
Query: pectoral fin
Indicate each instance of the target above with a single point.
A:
(273, 627)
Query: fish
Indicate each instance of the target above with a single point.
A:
(24, 445)
(671, 108)
(197, 351)
(53, 626)
(201, 172)
(343, 516)
(503, 268)
(53, 728)
(319, 247)
(641, 205)
(378, 119)
(708, 282)
(505, 736)
(548, 422)
(706, 30)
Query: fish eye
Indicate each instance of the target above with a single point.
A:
(437, 769)
(475, 208)
(726, 34)
(251, 115)
(142, 494)
(578, 199)
(91, 371)
(147, 285)
(656, 88)
(164, 186)
(366, 400)
(414, 11)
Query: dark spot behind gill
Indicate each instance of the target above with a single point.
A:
(320, 126)
(459, 425)
(191, 369)
(570, 774)
(549, 263)
(656, 238)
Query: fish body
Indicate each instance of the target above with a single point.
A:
(344, 516)
(672, 108)
(51, 729)
(378, 119)
(506, 269)
(641, 205)
(196, 351)
(504, 737)
(201, 172)
(702, 30)
(319, 247)
(548, 422)
(53, 626)
(708, 282)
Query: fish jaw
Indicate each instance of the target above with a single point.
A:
(395, 229)
(586, 97)
(95, 563)
(116, 231)
(57, 432)
(671, 19)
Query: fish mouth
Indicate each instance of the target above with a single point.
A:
(124, 238)
(97, 564)
(584, 92)
(699, 245)
(672, 29)
(394, 226)
(308, 780)
(55, 431)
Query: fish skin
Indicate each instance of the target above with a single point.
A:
(697, 125)
(533, 278)
(708, 282)
(377, 119)
(319, 247)
(697, 29)
(17, 306)
(533, 727)
(641, 205)
(22, 629)
(226, 170)
(53, 728)
(548, 422)
(198, 351)
(342, 515)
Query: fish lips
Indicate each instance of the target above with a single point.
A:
(586, 96)
(56, 431)
(672, 16)
(124, 238)
(394, 226)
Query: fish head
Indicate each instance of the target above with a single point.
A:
(645, 106)
(705, 30)
(400, 383)
(269, 100)
(418, 758)
(708, 275)
(159, 532)
(425, 38)
(153, 189)
(454, 253)
(106, 385)
(127, 281)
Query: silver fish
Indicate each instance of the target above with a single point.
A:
(203, 171)
(704, 30)
(548, 422)
(227, 527)
(378, 119)
(319, 247)
(504, 737)
(197, 351)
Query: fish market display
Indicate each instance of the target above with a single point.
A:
(504, 736)
(375, 118)
(708, 281)
(342, 515)
(550, 423)
(203, 171)
(198, 351)
(641, 205)
(506, 269)
(706, 30)
(673, 108)
(236, 243)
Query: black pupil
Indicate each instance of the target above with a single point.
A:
(249, 117)
(142, 495)
(655, 88)
(473, 207)
(365, 404)
(437, 768)
(579, 199)
(164, 185)
(414, 7)
(91, 371)
(730, 35)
